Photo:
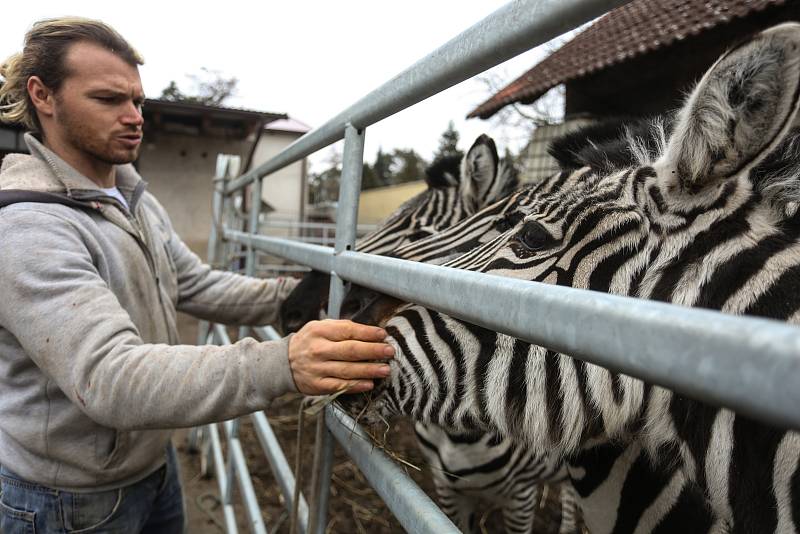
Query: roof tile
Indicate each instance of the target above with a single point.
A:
(634, 29)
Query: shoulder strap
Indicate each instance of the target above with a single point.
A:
(15, 196)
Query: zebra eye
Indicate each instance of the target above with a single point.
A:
(534, 236)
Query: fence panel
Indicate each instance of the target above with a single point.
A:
(704, 354)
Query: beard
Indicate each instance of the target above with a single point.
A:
(99, 145)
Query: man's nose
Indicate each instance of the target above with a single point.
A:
(133, 115)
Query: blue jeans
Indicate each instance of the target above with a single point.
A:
(153, 506)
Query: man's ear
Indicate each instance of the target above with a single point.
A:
(739, 111)
(43, 97)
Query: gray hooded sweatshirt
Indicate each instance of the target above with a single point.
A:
(91, 373)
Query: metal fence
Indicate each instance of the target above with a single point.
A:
(704, 354)
(267, 265)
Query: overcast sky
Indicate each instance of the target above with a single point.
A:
(308, 58)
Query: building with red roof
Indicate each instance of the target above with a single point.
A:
(637, 60)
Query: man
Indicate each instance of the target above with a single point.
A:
(91, 373)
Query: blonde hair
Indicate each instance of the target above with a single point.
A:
(45, 47)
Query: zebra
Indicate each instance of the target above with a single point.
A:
(457, 187)
(465, 466)
(481, 461)
(472, 468)
(603, 146)
(712, 221)
(465, 469)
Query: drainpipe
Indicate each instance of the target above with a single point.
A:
(252, 152)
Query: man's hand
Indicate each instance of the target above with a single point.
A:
(328, 356)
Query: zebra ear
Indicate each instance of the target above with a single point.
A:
(739, 111)
(479, 171)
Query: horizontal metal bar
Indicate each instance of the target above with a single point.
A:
(509, 31)
(222, 478)
(309, 239)
(410, 505)
(748, 364)
(272, 267)
(245, 482)
(220, 334)
(315, 256)
(266, 333)
(306, 225)
(280, 468)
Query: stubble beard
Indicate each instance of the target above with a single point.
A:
(89, 142)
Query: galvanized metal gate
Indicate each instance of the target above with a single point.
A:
(704, 354)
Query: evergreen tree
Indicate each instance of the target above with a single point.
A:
(448, 143)
(324, 186)
(368, 178)
(383, 168)
(410, 166)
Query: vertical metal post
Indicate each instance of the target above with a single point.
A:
(230, 251)
(218, 206)
(346, 220)
(250, 266)
(213, 254)
(253, 227)
(347, 211)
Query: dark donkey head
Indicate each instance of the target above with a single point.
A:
(457, 187)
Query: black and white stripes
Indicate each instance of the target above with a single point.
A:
(704, 224)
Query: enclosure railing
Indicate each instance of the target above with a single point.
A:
(704, 354)
(317, 233)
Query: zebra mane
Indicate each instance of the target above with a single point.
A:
(507, 168)
(617, 144)
(444, 171)
(645, 146)
(777, 178)
(612, 144)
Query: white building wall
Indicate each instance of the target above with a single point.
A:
(282, 190)
(535, 162)
(179, 170)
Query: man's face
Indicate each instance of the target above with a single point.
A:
(98, 109)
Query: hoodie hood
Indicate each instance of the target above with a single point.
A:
(42, 170)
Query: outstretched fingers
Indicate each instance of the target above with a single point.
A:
(354, 351)
(326, 356)
(342, 330)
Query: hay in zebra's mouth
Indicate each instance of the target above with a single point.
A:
(364, 408)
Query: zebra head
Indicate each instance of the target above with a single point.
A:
(707, 217)
(457, 187)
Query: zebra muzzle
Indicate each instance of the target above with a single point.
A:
(366, 306)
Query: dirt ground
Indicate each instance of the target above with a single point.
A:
(354, 506)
